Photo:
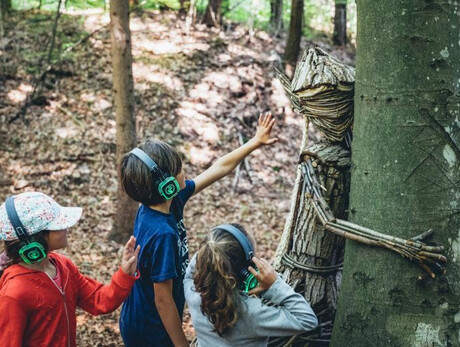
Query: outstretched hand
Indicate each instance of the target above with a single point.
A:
(266, 275)
(129, 260)
(264, 128)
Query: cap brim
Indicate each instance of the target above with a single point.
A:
(68, 217)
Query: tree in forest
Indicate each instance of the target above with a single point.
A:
(295, 33)
(340, 23)
(123, 91)
(276, 16)
(406, 174)
(6, 6)
(213, 14)
(310, 252)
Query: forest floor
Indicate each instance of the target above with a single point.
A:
(201, 92)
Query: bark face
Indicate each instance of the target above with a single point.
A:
(295, 33)
(276, 16)
(405, 176)
(340, 24)
(123, 90)
(213, 15)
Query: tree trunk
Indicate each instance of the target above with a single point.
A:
(123, 91)
(340, 23)
(406, 174)
(276, 16)
(213, 15)
(295, 33)
(6, 6)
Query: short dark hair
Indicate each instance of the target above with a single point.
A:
(137, 179)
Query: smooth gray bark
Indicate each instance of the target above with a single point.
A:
(405, 174)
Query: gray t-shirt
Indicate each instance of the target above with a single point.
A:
(258, 321)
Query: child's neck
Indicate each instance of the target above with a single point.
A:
(45, 265)
(163, 207)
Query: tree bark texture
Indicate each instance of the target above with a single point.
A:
(340, 23)
(276, 16)
(123, 91)
(405, 176)
(295, 33)
(213, 15)
(304, 239)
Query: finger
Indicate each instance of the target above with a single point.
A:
(136, 252)
(254, 272)
(271, 124)
(256, 261)
(130, 243)
(256, 290)
(266, 119)
(272, 141)
(260, 118)
(131, 262)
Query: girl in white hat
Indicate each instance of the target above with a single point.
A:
(40, 289)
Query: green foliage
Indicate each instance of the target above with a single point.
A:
(318, 14)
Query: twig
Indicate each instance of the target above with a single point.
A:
(237, 177)
(53, 34)
(247, 167)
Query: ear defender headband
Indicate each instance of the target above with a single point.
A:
(30, 252)
(167, 186)
(246, 279)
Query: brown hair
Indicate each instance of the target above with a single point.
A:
(218, 263)
(136, 178)
(12, 247)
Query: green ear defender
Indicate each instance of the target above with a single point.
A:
(168, 187)
(30, 252)
(248, 281)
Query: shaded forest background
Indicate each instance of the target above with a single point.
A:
(200, 92)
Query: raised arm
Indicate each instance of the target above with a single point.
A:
(224, 165)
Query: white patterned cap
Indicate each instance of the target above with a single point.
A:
(37, 212)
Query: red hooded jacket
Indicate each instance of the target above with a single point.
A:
(35, 312)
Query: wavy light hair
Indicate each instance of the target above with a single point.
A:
(216, 278)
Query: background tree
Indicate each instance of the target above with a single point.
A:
(213, 14)
(340, 23)
(123, 91)
(5, 6)
(276, 16)
(405, 176)
(295, 33)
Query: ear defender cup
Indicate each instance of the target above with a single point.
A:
(32, 252)
(168, 188)
(247, 280)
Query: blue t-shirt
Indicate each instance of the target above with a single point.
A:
(163, 256)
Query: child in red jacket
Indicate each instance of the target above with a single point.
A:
(40, 289)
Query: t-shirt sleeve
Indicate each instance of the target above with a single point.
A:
(164, 258)
(187, 192)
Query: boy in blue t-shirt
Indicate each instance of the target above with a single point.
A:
(152, 314)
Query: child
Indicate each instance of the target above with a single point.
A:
(40, 289)
(152, 314)
(222, 312)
